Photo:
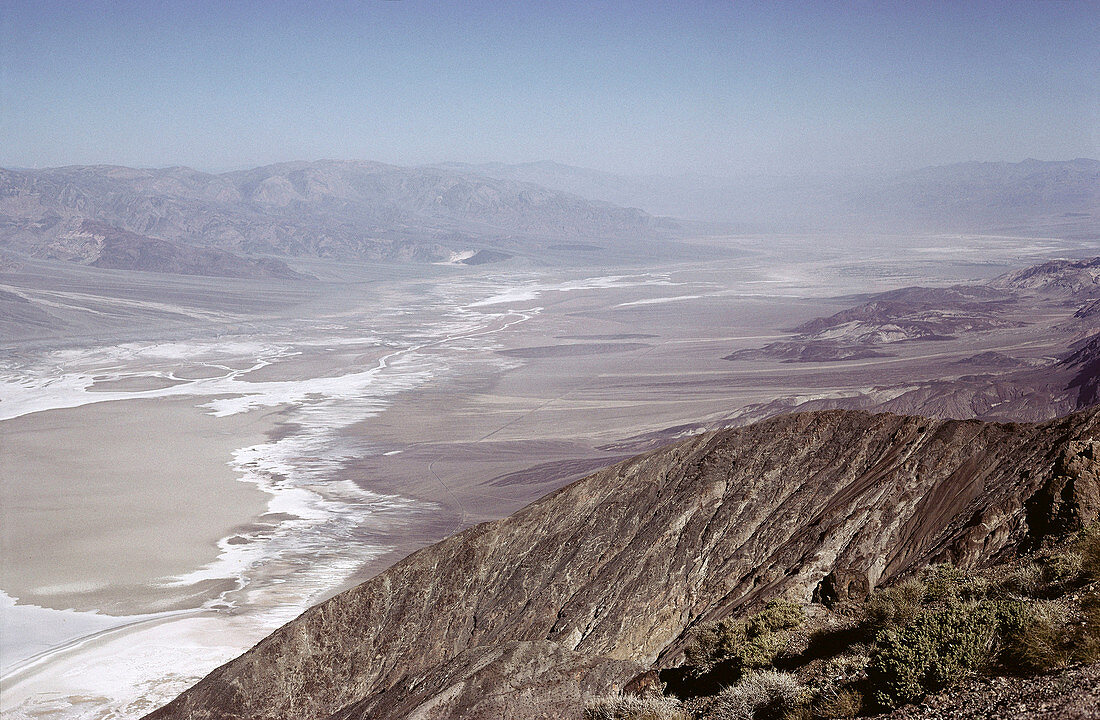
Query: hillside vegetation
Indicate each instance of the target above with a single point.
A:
(923, 634)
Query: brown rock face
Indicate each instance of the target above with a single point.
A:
(566, 597)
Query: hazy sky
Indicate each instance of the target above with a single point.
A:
(682, 86)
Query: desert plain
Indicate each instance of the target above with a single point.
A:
(188, 463)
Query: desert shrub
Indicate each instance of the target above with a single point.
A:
(1062, 568)
(1088, 548)
(849, 666)
(712, 642)
(631, 708)
(894, 606)
(837, 701)
(1033, 636)
(760, 695)
(939, 647)
(751, 643)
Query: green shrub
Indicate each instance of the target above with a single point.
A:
(751, 643)
(631, 708)
(759, 695)
(939, 647)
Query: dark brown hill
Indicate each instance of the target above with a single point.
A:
(915, 314)
(566, 599)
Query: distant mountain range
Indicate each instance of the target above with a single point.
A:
(327, 209)
(241, 224)
(962, 197)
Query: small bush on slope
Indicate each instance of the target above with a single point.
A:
(751, 643)
(894, 606)
(936, 649)
(759, 696)
(947, 582)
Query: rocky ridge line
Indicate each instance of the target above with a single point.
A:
(609, 575)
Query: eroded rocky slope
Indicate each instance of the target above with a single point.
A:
(576, 594)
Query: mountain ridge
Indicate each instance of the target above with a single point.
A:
(621, 565)
(323, 209)
(969, 196)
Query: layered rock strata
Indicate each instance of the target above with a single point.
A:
(576, 594)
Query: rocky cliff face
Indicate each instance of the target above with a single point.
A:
(574, 595)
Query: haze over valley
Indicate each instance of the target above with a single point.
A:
(390, 404)
(609, 346)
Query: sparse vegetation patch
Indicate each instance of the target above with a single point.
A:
(918, 636)
(744, 644)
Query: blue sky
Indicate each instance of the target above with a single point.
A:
(719, 88)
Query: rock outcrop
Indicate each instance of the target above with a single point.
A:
(572, 596)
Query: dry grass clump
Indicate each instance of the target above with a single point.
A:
(897, 605)
(1087, 648)
(632, 708)
(835, 701)
(1062, 568)
(1034, 637)
(1040, 636)
(1026, 581)
(1088, 548)
(761, 695)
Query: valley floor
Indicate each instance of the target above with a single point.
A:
(367, 415)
